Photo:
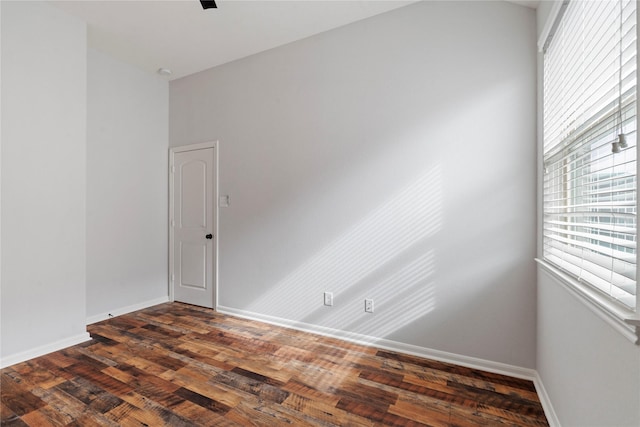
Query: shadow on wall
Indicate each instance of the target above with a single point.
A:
(386, 256)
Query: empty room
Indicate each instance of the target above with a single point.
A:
(323, 213)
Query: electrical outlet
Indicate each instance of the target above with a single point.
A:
(328, 298)
(368, 305)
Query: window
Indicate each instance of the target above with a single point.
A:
(589, 191)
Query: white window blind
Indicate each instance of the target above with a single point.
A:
(589, 206)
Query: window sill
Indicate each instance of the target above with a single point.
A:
(622, 320)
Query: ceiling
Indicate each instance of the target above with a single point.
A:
(179, 35)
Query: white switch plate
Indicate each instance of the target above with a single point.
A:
(328, 298)
(223, 201)
(368, 305)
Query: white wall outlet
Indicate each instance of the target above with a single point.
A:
(328, 298)
(368, 305)
(223, 201)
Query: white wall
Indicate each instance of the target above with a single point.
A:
(590, 372)
(542, 14)
(127, 149)
(43, 178)
(390, 159)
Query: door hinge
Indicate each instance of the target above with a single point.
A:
(173, 169)
(173, 278)
(173, 223)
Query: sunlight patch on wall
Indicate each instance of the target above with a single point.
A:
(361, 259)
(401, 298)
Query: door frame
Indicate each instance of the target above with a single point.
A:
(216, 174)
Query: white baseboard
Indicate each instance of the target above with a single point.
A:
(125, 310)
(44, 349)
(442, 356)
(550, 413)
(68, 342)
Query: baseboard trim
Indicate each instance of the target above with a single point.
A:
(442, 356)
(44, 349)
(549, 412)
(126, 310)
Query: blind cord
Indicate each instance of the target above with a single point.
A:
(622, 139)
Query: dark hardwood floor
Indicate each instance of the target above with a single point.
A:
(180, 365)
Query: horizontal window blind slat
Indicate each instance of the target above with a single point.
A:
(592, 247)
(622, 297)
(613, 181)
(602, 285)
(603, 118)
(594, 237)
(601, 205)
(596, 226)
(560, 201)
(613, 279)
(630, 216)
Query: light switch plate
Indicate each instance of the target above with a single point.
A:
(328, 298)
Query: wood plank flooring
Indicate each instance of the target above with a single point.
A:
(180, 365)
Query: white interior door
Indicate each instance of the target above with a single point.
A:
(193, 226)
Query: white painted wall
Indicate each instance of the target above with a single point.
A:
(43, 178)
(590, 372)
(390, 159)
(542, 14)
(127, 149)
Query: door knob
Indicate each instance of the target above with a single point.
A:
(209, 236)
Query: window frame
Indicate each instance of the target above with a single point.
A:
(624, 320)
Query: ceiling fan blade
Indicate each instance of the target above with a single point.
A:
(208, 4)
